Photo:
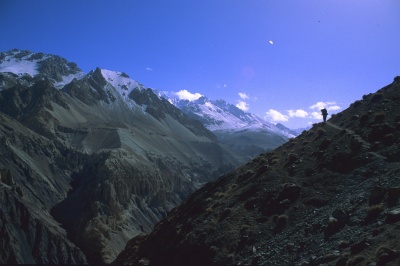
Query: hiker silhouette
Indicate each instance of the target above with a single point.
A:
(324, 114)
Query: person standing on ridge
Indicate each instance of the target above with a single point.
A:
(324, 114)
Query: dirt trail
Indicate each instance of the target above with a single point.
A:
(352, 133)
(340, 128)
(365, 144)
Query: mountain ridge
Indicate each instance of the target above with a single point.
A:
(220, 115)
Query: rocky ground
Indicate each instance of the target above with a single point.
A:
(327, 197)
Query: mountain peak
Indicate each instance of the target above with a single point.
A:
(38, 65)
(20, 62)
(121, 82)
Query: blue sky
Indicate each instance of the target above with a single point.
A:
(282, 60)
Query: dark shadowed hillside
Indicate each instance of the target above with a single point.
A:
(328, 197)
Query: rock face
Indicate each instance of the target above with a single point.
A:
(328, 197)
(30, 184)
(88, 161)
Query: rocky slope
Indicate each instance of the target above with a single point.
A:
(328, 197)
(90, 160)
(32, 180)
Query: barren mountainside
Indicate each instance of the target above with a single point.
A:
(327, 197)
(88, 161)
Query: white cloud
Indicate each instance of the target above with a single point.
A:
(334, 108)
(316, 115)
(243, 95)
(276, 116)
(330, 106)
(149, 69)
(298, 113)
(242, 106)
(271, 42)
(318, 106)
(185, 95)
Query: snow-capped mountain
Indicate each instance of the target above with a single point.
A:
(121, 82)
(27, 67)
(219, 115)
(244, 132)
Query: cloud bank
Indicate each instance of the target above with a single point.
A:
(185, 95)
(298, 113)
(330, 106)
(243, 95)
(276, 116)
(242, 106)
(315, 114)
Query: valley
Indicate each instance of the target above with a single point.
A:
(91, 160)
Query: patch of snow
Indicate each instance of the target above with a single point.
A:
(68, 79)
(122, 84)
(19, 66)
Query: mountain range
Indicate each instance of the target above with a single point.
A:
(90, 160)
(96, 168)
(245, 133)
